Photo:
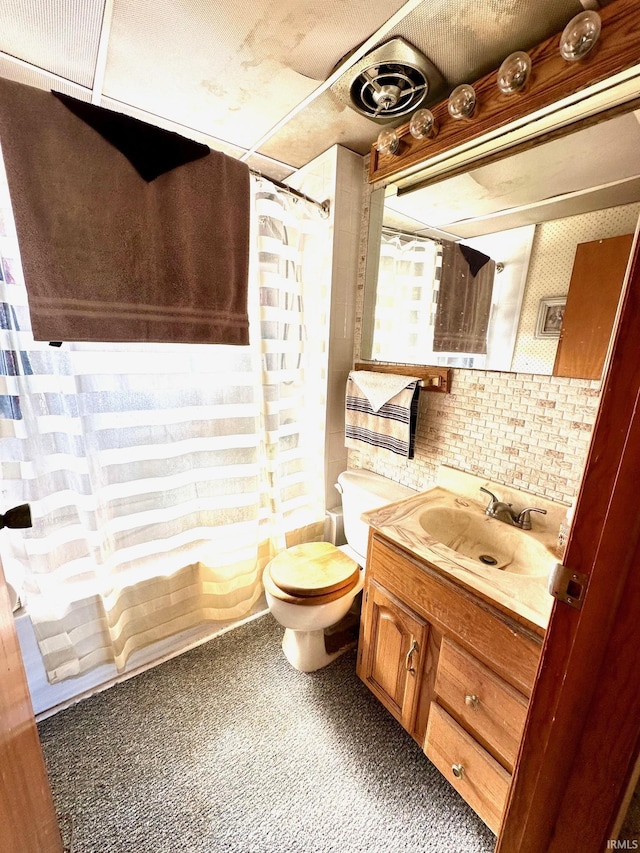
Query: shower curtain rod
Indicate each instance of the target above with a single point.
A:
(399, 232)
(324, 206)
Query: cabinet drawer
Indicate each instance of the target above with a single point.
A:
(481, 701)
(481, 781)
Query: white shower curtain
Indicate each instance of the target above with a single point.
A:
(407, 286)
(162, 478)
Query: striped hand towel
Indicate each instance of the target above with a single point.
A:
(392, 426)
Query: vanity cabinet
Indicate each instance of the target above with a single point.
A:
(454, 670)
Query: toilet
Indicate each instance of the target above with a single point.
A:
(311, 587)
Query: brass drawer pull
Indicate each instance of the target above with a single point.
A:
(407, 663)
(457, 770)
(472, 701)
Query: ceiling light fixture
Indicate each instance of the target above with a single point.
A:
(388, 141)
(514, 73)
(462, 101)
(580, 35)
(423, 124)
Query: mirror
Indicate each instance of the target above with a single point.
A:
(529, 213)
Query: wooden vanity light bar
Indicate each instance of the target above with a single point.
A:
(552, 79)
(431, 378)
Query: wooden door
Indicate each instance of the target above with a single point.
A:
(28, 821)
(582, 733)
(592, 302)
(392, 653)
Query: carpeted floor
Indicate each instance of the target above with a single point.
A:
(228, 749)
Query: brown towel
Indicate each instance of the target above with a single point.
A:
(106, 255)
(151, 150)
(464, 301)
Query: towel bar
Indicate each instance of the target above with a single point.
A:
(431, 378)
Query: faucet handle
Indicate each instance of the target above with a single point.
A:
(494, 500)
(524, 520)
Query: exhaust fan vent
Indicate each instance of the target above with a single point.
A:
(390, 82)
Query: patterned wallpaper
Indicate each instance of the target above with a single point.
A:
(524, 429)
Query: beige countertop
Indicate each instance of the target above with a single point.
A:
(520, 588)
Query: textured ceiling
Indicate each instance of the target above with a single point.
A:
(253, 78)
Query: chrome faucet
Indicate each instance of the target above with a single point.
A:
(505, 512)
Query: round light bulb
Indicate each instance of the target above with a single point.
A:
(388, 141)
(514, 72)
(580, 35)
(422, 124)
(462, 101)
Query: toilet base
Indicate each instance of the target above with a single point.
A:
(306, 651)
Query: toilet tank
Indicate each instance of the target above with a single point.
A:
(362, 491)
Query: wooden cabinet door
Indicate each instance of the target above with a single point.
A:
(392, 652)
(28, 821)
(592, 302)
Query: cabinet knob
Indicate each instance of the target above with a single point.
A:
(471, 701)
(457, 770)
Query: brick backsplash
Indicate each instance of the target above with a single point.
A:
(528, 431)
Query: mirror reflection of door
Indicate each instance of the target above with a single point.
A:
(592, 302)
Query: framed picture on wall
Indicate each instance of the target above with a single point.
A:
(550, 317)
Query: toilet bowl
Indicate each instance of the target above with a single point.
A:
(311, 587)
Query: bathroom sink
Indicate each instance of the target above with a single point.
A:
(472, 534)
